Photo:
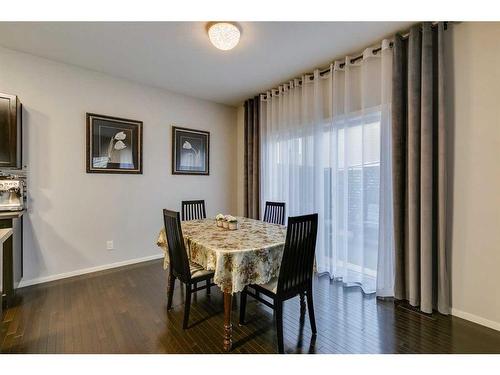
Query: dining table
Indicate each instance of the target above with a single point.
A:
(248, 255)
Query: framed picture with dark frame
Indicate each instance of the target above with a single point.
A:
(190, 151)
(114, 145)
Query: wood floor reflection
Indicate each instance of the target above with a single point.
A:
(124, 311)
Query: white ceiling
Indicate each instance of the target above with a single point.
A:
(178, 56)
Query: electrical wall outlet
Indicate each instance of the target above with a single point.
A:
(110, 245)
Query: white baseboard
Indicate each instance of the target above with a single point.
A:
(83, 271)
(476, 319)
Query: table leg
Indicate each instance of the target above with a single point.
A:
(228, 328)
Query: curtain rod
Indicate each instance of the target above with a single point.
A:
(359, 57)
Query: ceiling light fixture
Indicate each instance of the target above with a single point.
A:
(224, 35)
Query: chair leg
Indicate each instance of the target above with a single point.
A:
(310, 308)
(243, 305)
(278, 309)
(187, 306)
(170, 291)
(302, 303)
(208, 287)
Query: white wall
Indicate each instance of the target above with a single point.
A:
(475, 171)
(71, 213)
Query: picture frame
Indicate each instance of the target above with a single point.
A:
(190, 151)
(114, 144)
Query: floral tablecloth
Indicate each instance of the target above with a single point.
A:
(249, 255)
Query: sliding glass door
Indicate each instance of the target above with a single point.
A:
(321, 151)
(352, 189)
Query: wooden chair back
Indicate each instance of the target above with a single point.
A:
(193, 210)
(298, 255)
(275, 213)
(179, 262)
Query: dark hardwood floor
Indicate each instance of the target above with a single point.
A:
(124, 311)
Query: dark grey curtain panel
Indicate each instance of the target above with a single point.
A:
(252, 159)
(419, 174)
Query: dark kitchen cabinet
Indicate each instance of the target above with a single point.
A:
(10, 131)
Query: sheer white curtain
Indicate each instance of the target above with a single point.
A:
(325, 149)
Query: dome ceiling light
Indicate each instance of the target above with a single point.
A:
(224, 35)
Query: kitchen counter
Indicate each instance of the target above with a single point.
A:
(11, 214)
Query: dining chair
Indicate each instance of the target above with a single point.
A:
(193, 210)
(295, 275)
(180, 266)
(275, 213)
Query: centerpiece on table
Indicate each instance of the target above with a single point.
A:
(220, 218)
(232, 222)
(226, 221)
